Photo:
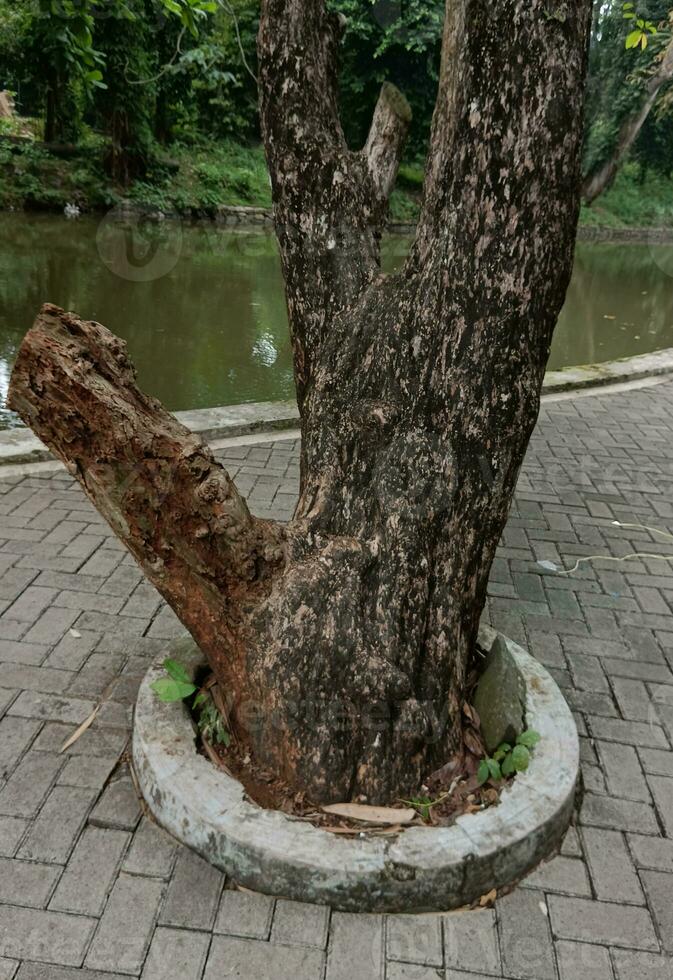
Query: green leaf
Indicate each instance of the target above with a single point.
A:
(200, 698)
(529, 738)
(633, 39)
(628, 6)
(94, 76)
(224, 738)
(502, 751)
(520, 758)
(507, 767)
(483, 772)
(629, 16)
(176, 670)
(494, 770)
(169, 690)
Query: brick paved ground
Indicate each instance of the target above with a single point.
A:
(89, 890)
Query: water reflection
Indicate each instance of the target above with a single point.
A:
(203, 312)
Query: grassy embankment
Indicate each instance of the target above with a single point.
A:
(197, 180)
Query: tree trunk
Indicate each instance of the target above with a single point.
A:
(342, 638)
(602, 177)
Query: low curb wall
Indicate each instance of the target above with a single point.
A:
(420, 869)
(21, 446)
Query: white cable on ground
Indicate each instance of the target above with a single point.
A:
(635, 555)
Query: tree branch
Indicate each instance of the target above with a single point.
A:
(388, 132)
(156, 483)
(600, 179)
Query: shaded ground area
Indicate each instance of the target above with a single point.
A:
(90, 890)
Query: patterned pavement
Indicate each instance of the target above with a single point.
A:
(91, 890)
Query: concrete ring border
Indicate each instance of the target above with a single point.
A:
(421, 869)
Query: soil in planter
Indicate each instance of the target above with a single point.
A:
(445, 794)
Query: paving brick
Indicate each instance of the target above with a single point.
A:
(411, 971)
(615, 814)
(662, 791)
(602, 922)
(300, 924)
(29, 784)
(176, 954)
(152, 851)
(623, 773)
(630, 965)
(52, 937)
(118, 807)
(16, 734)
(571, 846)
(28, 606)
(633, 700)
(652, 852)
(415, 939)
(88, 771)
(245, 914)
(628, 732)
(561, 874)
(124, 932)
(231, 957)
(611, 868)
(54, 832)
(14, 581)
(193, 893)
(525, 939)
(12, 830)
(582, 961)
(51, 707)
(656, 761)
(18, 652)
(71, 652)
(8, 968)
(94, 741)
(471, 939)
(355, 947)
(658, 887)
(91, 870)
(25, 883)
(42, 679)
(462, 975)
(50, 626)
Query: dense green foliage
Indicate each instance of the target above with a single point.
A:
(160, 98)
(617, 78)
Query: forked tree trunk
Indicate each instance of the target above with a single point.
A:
(602, 177)
(342, 638)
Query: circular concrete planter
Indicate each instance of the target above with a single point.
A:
(421, 869)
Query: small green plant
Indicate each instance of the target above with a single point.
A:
(508, 759)
(177, 687)
(211, 722)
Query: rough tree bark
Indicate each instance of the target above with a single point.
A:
(600, 179)
(349, 628)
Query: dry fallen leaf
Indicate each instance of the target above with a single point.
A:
(383, 815)
(489, 898)
(80, 731)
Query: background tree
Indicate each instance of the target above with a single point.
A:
(631, 63)
(350, 629)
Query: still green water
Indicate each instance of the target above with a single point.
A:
(203, 312)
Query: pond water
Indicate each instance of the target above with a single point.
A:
(203, 312)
